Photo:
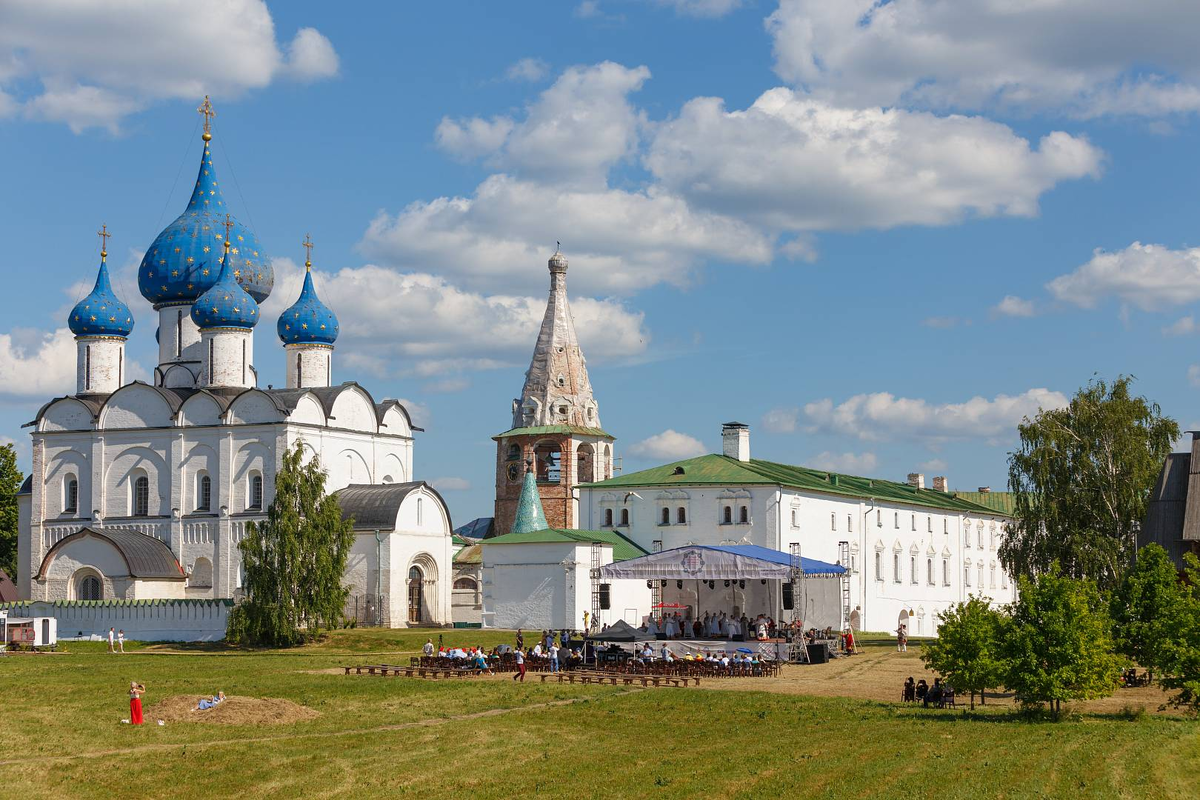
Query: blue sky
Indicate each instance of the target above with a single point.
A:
(878, 233)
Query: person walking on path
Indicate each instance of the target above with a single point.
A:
(136, 690)
(111, 635)
(520, 673)
(902, 638)
(121, 639)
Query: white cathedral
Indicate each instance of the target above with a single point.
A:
(144, 490)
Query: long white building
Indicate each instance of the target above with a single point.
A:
(144, 490)
(912, 551)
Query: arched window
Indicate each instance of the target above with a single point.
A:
(585, 461)
(202, 574)
(833, 521)
(607, 461)
(981, 584)
(849, 523)
(929, 571)
(896, 521)
(89, 588)
(967, 575)
(879, 517)
(141, 496)
(625, 517)
(878, 566)
(514, 452)
(793, 518)
(608, 518)
(912, 569)
(299, 371)
(548, 459)
(666, 516)
(728, 518)
(420, 511)
(71, 495)
(914, 522)
(256, 493)
(945, 572)
(681, 515)
(204, 493)
(465, 583)
(896, 576)
(743, 514)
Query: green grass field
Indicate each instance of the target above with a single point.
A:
(487, 738)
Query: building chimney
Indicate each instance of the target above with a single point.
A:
(735, 440)
(984, 489)
(940, 484)
(916, 479)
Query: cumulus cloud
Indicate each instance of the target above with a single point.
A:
(883, 416)
(1183, 326)
(88, 63)
(420, 324)
(1135, 58)
(848, 463)
(833, 167)
(616, 240)
(36, 364)
(780, 420)
(528, 69)
(670, 445)
(1013, 306)
(1148, 276)
(472, 138)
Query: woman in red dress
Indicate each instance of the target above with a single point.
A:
(135, 702)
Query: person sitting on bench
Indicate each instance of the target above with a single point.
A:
(921, 690)
(910, 691)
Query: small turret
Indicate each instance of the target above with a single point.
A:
(226, 315)
(308, 330)
(101, 323)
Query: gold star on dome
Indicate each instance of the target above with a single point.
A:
(93, 317)
(236, 309)
(174, 273)
(190, 260)
(235, 250)
(206, 248)
(177, 249)
(304, 325)
(205, 272)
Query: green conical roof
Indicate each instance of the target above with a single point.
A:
(530, 516)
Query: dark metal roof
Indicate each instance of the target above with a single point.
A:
(375, 505)
(27, 485)
(8, 591)
(1167, 511)
(145, 556)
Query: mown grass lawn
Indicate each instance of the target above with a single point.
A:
(491, 738)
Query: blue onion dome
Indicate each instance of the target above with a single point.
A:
(183, 262)
(101, 313)
(308, 321)
(226, 304)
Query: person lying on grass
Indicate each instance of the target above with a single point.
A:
(210, 702)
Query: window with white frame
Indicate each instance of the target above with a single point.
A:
(979, 536)
(945, 525)
(929, 571)
(914, 521)
(980, 568)
(967, 575)
(203, 492)
(912, 569)
(744, 515)
(665, 517)
(896, 576)
(141, 496)
(992, 576)
(929, 523)
(681, 515)
(420, 510)
(254, 497)
(624, 517)
(727, 516)
(849, 523)
(878, 566)
(833, 521)
(70, 495)
(897, 520)
(608, 517)
(966, 533)
(794, 518)
(879, 517)
(945, 572)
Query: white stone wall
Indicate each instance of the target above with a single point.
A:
(228, 357)
(178, 343)
(308, 365)
(179, 621)
(99, 364)
(821, 521)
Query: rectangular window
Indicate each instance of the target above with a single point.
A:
(979, 536)
(878, 566)
(945, 572)
(914, 522)
(793, 517)
(929, 523)
(879, 517)
(849, 523)
(833, 521)
(945, 525)
(967, 575)
(897, 520)
(929, 571)
(912, 569)
(896, 577)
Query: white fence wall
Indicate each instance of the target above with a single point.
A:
(149, 621)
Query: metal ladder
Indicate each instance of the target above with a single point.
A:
(797, 652)
(844, 561)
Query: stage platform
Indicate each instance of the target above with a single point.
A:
(776, 649)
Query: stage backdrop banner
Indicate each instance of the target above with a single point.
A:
(716, 562)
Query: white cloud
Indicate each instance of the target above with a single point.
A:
(616, 240)
(780, 420)
(1149, 276)
(36, 364)
(848, 463)
(420, 324)
(1181, 327)
(710, 9)
(311, 56)
(419, 412)
(1193, 374)
(451, 484)
(1080, 57)
(448, 385)
(841, 168)
(933, 465)
(91, 63)
(576, 130)
(1013, 306)
(528, 69)
(670, 445)
(883, 416)
(472, 138)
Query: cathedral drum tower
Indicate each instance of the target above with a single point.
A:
(556, 422)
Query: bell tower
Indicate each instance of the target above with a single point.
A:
(555, 421)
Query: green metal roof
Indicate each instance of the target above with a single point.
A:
(543, 430)
(471, 554)
(1003, 502)
(718, 470)
(623, 548)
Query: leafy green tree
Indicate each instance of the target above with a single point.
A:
(966, 652)
(1181, 663)
(1148, 609)
(10, 484)
(1057, 644)
(293, 561)
(1082, 478)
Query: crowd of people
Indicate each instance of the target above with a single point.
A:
(940, 695)
(712, 626)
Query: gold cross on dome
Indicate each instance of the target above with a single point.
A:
(308, 246)
(207, 110)
(104, 237)
(228, 223)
